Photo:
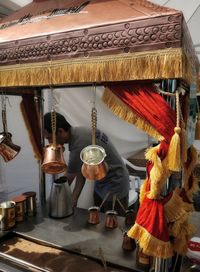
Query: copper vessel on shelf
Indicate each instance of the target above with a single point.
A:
(128, 243)
(93, 215)
(111, 219)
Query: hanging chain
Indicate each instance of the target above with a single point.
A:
(94, 118)
(94, 124)
(53, 127)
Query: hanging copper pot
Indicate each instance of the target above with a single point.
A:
(94, 167)
(8, 150)
(54, 162)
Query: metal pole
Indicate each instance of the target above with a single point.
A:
(42, 177)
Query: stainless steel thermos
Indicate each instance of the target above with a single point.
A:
(60, 201)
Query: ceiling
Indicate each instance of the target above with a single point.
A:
(191, 11)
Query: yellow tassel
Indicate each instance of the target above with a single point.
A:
(197, 129)
(150, 244)
(174, 158)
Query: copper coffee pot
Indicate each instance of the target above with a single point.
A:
(53, 162)
(93, 215)
(8, 150)
(94, 167)
(128, 243)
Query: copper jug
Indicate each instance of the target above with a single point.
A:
(53, 162)
(94, 167)
(111, 219)
(93, 215)
(8, 150)
(128, 243)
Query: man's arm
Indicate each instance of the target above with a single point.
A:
(80, 181)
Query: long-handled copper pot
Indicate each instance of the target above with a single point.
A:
(8, 150)
(53, 162)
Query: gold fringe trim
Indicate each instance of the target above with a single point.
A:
(159, 173)
(188, 172)
(149, 244)
(37, 154)
(174, 208)
(124, 112)
(184, 232)
(165, 63)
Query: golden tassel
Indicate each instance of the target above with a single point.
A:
(174, 152)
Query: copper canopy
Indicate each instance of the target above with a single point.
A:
(82, 42)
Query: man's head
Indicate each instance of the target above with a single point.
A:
(62, 128)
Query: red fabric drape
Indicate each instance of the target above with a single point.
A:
(142, 99)
(149, 105)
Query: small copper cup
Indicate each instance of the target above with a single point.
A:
(31, 205)
(111, 219)
(20, 207)
(130, 217)
(93, 215)
(128, 243)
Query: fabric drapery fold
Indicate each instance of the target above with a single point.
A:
(153, 228)
(30, 113)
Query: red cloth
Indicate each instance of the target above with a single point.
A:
(148, 105)
(151, 217)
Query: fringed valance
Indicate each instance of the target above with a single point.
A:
(166, 63)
